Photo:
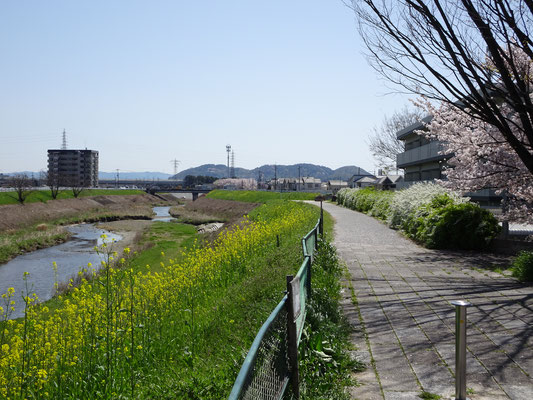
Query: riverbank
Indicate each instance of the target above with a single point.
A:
(30, 227)
(189, 318)
(16, 216)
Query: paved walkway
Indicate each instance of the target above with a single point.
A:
(404, 324)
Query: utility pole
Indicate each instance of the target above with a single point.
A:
(232, 169)
(299, 178)
(228, 150)
(275, 177)
(118, 178)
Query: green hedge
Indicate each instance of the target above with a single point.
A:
(438, 220)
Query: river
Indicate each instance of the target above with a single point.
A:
(70, 257)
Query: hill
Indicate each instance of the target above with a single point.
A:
(269, 171)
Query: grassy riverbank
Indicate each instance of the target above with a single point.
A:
(17, 241)
(180, 331)
(44, 196)
(13, 243)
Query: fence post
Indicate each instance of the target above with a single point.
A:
(293, 341)
(460, 348)
(321, 219)
(309, 265)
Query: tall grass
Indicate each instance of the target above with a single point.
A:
(15, 242)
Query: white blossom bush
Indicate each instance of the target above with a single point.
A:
(430, 214)
(405, 202)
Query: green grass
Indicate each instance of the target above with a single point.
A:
(326, 367)
(256, 196)
(13, 243)
(44, 196)
(166, 240)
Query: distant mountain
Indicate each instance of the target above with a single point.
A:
(268, 171)
(134, 175)
(216, 170)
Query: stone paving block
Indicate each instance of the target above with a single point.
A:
(399, 284)
(517, 392)
(397, 395)
(392, 367)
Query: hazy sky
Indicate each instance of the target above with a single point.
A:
(146, 82)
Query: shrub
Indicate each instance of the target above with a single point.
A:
(522, 266)
(463, 226)
(405, 202)
(367, 200)
(428, 213)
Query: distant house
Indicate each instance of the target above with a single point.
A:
(294, 184)
(310, 183)
(336, 185)
(365, 181)
(360, 178)
(388, 182)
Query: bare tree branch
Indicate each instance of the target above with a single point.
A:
(478, 52)
(383, 142)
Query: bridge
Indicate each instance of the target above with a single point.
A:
(152, 186)
(139, 183)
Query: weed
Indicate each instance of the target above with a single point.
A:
(429, 396)
(325, 365)
(522, 266)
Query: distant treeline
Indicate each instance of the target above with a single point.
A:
(192, 180)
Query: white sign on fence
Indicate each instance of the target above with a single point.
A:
(296, 306)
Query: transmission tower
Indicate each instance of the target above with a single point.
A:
(64, 145)
(176, 164)
(228, 150)
(232, 169)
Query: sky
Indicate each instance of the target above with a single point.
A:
(148, 82)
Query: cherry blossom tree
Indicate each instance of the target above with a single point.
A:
(237, 183)
(475, 51)
(481, 155)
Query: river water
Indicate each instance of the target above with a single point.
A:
(70, 257)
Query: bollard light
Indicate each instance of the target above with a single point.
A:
(460, 348)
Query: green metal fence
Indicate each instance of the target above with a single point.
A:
(272, 361)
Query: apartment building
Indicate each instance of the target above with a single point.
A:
(74, 167)
(422, 162)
